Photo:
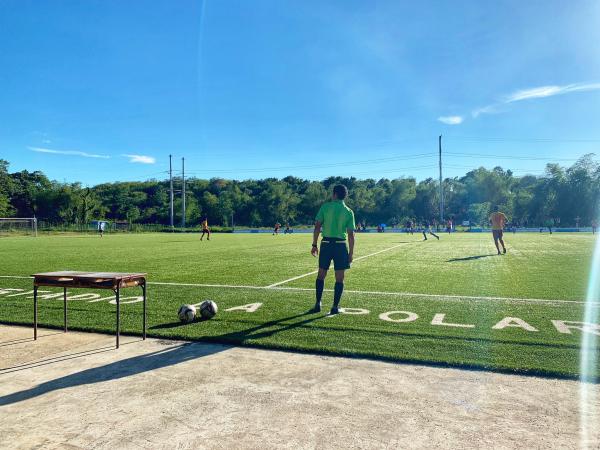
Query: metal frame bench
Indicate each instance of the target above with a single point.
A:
(89, 280)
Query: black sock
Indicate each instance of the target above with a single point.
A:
(337, 293)
(319, 285)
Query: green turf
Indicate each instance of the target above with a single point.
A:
(538, 266)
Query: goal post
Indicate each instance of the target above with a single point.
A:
(18, 225)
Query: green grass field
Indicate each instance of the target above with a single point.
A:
(542, 278)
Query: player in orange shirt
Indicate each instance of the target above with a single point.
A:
(498, 220)
(205, 229)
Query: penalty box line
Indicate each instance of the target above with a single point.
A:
(451, 297)
(279, 283)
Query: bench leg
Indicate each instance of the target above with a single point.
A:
(65, 308)
(144, 312)
(118, 315)
(35, 312)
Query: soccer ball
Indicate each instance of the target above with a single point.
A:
(208, 309)
(187, 313)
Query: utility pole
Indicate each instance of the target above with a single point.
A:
(183, 192)
(441, 184)
(171, 192)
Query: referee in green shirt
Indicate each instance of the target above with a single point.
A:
(337, 222)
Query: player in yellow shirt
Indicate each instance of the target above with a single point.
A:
(498, 221)
(205, 229)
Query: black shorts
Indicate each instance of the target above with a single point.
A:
(205, 230)
(497, 234)
(335, 250)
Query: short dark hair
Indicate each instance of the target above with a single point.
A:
(340, 191)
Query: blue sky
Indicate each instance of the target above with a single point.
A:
(98, 91)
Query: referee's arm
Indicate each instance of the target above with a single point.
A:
(315, 250)
(350, 232)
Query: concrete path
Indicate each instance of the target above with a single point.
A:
(75, 390)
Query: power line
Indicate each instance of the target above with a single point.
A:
(454, 166)
(318, 166)
(508, 139)
(396, 170)
(520, 158)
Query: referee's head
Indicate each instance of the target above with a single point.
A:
(340, 192)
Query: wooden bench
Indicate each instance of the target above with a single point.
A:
(89, 280)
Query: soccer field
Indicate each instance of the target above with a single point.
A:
(449, 302)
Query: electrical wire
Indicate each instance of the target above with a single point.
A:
(316, 166)
(507, 139)
(519, 158)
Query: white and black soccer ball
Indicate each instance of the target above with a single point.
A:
(208, 309)
(187, 313)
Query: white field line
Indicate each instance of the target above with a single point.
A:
(450, 297)
(315, 271)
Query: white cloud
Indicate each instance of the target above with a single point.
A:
(142, 159)
(67, 152)
(451, 120)
(489, 109)
(549, 91)
(533, 93)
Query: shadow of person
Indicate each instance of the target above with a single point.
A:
(165, 326)
(271, 323)
(268, 329)
(119, 369)
(471, 258)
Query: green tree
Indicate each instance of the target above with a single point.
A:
(479, 213)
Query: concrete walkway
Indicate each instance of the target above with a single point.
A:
(75, 390)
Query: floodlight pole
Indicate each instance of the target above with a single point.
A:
(183, 193)
(441, 184)
(171, 192)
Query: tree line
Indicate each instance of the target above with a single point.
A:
(570, 194)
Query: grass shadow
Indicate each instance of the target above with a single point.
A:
(471, 258)
(166, 326)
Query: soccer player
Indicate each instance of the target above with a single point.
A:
(336, 221)
(551, 225)
(498, 220)
(287, 228)
(205, 229)
(101, 226)
(410, 227)
(277, 227)
(594, 226)
(428, 229)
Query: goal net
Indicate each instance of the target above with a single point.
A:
(18, 225)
